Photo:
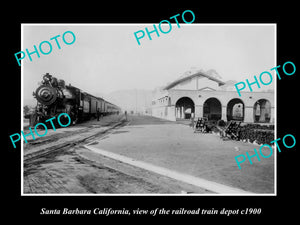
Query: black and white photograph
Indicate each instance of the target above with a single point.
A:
(154, 113)
(107, 111)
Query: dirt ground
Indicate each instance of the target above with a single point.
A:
(59, 164)
(176, 147)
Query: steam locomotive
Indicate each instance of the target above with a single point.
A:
(55, 97)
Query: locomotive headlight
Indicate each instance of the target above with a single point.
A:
(45, 94)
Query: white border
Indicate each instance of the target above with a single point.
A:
(142, 24)
(22, 118)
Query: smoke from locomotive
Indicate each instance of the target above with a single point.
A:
(55, 97)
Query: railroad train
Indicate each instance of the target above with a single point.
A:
(55, 97)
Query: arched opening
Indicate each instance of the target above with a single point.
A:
(235, 110)
(262, 111)
(184, 108)
(212, 109)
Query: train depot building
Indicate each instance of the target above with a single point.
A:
(203, 94)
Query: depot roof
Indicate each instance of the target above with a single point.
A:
(198, 74)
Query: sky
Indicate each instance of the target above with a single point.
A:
(106, 57)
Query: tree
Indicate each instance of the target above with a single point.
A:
(26, 109)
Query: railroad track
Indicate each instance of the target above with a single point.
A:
(80, 139)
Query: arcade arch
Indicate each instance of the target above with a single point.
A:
(212, 109)
(235, 110)
(262, 111)
(184, 108)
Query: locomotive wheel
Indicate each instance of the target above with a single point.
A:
(63, 120)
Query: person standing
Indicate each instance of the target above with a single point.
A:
(98, 114)
(192, 120)
(125, 115)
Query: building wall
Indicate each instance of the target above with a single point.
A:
(199, 97)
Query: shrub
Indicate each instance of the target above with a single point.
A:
(221, 123)
(255, 132)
